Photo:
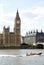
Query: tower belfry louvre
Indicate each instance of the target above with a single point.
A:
(8, 38)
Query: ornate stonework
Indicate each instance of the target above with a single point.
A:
(8, 38)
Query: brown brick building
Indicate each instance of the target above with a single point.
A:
(8, 38)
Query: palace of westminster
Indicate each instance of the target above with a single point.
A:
(8, 38)
(13, 39)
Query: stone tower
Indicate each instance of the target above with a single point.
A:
(17, 31)
(6, 36)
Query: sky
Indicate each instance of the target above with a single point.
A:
(31, 13)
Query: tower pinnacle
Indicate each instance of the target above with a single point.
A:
(17, 14)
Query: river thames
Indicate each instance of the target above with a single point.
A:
(18, 57)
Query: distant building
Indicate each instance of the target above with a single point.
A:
(8, 38)
(33, 37)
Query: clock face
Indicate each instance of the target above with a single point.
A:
(18, 22)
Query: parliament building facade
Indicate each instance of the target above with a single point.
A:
(8, 38)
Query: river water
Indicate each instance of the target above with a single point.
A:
(18, 57)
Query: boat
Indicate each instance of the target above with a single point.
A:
(39, 53)
(29, 54)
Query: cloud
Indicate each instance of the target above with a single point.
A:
(31, 19)
(1, 4)
(35, 12)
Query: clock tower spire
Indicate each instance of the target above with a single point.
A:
(17, 15)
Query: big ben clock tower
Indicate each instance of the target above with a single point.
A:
(17, 27)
